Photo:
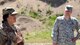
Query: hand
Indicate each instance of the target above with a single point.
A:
(74, 39)
(19, 38)
(55, 44)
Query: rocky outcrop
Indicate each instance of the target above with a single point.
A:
(55, 3)
(2, 2)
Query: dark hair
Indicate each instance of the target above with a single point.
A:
(6, 13)
(5, 18)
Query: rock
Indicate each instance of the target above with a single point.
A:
(2, 2)
(55, 3)
(10, 0)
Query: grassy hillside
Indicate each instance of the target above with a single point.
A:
(36, 17)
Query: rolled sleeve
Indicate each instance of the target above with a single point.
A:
(78, 30)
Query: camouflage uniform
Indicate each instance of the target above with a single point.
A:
(63, 31)
(2, 36)
(7, 34)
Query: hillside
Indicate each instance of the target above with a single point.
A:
(41, 6)
(38, 16)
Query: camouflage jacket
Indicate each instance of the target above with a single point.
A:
(7, 34)
(63, 31)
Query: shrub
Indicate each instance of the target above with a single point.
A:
(34, 14)
(59, 15)
(51, 20)
(22, 11)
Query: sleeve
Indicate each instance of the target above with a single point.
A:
(54, 34)
(18, 30)
(2, 32)
(3, 37)
(78, 31)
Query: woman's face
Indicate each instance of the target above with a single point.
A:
(11, 19)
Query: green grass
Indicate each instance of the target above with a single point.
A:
(34, 14)
(44, 35)
(41, 36)
(51, 20)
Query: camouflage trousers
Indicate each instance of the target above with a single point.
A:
(66, 43)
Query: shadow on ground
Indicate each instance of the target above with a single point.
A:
(54, 3)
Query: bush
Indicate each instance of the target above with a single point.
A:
(59, 15)
(51, 20)
(40, 36)
(34, 14)
(49, 12)
(22, 11)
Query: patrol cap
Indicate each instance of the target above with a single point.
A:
(68, 8)
(9, 11)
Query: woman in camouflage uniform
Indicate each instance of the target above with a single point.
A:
(9, 33)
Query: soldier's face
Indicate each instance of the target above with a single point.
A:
(12, 18)
(68, 13)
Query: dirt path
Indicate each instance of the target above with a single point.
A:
(38, 43)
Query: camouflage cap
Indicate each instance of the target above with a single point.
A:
(9, 11)
(68, 8)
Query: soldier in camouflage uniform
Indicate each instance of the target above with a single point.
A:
(10, 33)
(64, 27)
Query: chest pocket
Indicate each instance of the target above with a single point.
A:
(67, 25)
(62, 25)
(73, 24)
